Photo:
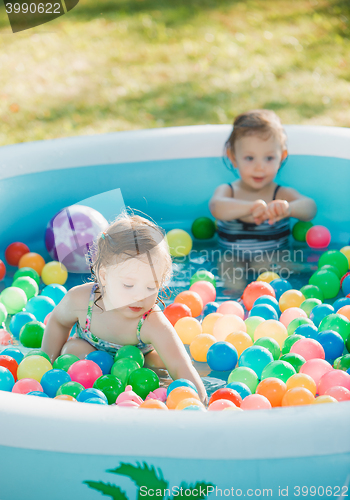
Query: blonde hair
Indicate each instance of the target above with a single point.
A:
(129, 236)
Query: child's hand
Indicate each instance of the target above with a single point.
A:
(259, 211)
(277, 210)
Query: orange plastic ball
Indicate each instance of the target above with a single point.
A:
(273, 329)
(192, 300)
(273, 389)
(324, 399)
(178, 394)
(297, 397)
(187, 329)
(240, 340)
(255, 290)
(65, 397)
(189, 402)
(291, 298)
(174, 312)
(302, 380)
(209, 322)
(229, 323)
(200, 345)
(345, 311)
(32, 260)
(153, 404)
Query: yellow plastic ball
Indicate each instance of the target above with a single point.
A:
(324, 399)
(346, 252)
(179, 242)
(54, 272)
(209, 322)
(188, 402)
(200, 345)
(187, 329)
(272, 329)
(229, 323)
(301, 380)
(33, 367)
(240, 340)
(291, 298)
(268, 276)
(251, 323)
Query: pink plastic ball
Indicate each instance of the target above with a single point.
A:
(292, 313)
(332, 379)
(85, 372)
(318, 237)
(339, 393)
(5, 338)
(316, 368)
(205, 290)
(25, 385)
(255, 402)
(47, 318)
(221, 404)
(308, 349)
(231, 307)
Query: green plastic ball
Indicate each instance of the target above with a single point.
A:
(28, 285)
(334, 258)
(111, 387)
(271, 344)
(336, 363)
(279, 369)
(347, 343)
(246, 376)
(344, 362)
(123, 367)
(203, 228)
(337, 323)
(295, 360)
(334, 269)
(37, 352)
(65, 361)
(300, 229)
(27, 271)
(71, 389)
(31, 334)
(312, 292)
(327, 281)
(295, 323)
(132, 352)
(308, 305)
(3, 313)
(143, 381)
(287, 344)
(14, 299)
(203, 275)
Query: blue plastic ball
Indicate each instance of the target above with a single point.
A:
(194, 408)
(91, 393)
(256, 358)
(270, 301)
(6, 379)
(52, 380)
(102, 359)
(222, 356)
(13, 353)
(346, 285)
(55, 292)
(264, 311)
(280, 286)
(332, 343)
(96, 401)
(319, 312)
(180, 382)
(210, 307)
(343, 301)
(38, 393)
(19, 320)
(307, 331)
(242, 389)
(40, 306)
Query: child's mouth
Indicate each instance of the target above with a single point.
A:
(135, 309)
(258, 179)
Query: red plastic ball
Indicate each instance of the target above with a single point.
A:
(2, 270)
(174, 312)
(9, 363)
(318, 237)
(255, 290)
(226, 393)
(14, 252)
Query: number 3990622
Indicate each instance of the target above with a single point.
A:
(33, 8)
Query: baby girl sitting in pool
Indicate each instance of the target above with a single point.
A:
(130, 265)
(253, 212)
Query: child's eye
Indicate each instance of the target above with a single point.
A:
(128, 286)
(249, 158)
(151, 288)
(270, 158)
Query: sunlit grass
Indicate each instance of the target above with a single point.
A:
(122, 65)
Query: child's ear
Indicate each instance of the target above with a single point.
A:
(231, 156)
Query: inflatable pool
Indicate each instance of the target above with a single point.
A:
(56, 450)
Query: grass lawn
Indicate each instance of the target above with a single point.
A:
(112, 65)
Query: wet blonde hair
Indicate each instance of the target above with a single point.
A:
(129, 236)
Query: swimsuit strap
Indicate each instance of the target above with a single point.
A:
(90, 306)
(141, 322)
(275, 191)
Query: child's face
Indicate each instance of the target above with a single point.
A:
(257, 160)
(132, 285)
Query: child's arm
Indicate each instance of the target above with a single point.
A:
(59, 324)
(222, 206)
(291, 204)
(162, 335)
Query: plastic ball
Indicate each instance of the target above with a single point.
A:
(26, 385)
(14, 252)
(32, 260)
(52, 380)
(308, 305)
(28, 285)
(244, 375)
(9, 363)
(70, 233)
(27, 271)
(240, 341)
(336, 259)
(316, 368)
(331, 379)
(327, 281)
(85, 372)
(179, 242)
(337, 323)
(72, 388)
(271, 301)
(203, 275)
(203, 228)
(178, 394)
(346, 251)
(273, 329)
(287, 344)
(37, 393)
(291, 298)
(231, 307)
(153, 404)
(346, 285)
(103, 359)
(298, 396)
(14, 299)
(312, 292)
(195, 407)
(96, 401)
(64, 361)
(123, 367)
(273, 389)
(279, 369)
(300, 229)
(37, 352)
(54, 291)
(342, 278)
(268, 276)
(293, 359)
(175, 311)
(296, 323)
(2, 270)
(308, 349)
(14, 353)
(210, 307)
(54, 272)
(5, 337)
(333, 269)
(192, 300)
(332, 343)
(280, 286)
(302, 380)
(91, 393)
(344, 362)
(227, 324)
(185, 403)
(111, 387)
(130, 351)
(3, 313)
(33, 367)
(242, 389)
(306, 330)
(222, 356)
(40, 306)
(65, 397)
(31, 334)
(180, 382)
(251, 323)
(264, 311)
(318, 237)
(143, 381)
(292, 313)
(319, 312)
(256, 358)
(344, 311)
(324, 399)
(209, 322)
(200, 345)
(255, 402)
(269, 344)
(7, 380)
(226, 393)
(254, 290)
(187, 329)
(339, 393)
(221, 404)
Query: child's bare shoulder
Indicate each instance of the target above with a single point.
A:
(156, 321)
(288, 194)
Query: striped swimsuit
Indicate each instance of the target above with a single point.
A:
(239, 236)
(105, 345)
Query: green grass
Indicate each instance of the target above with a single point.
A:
(123, 65)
